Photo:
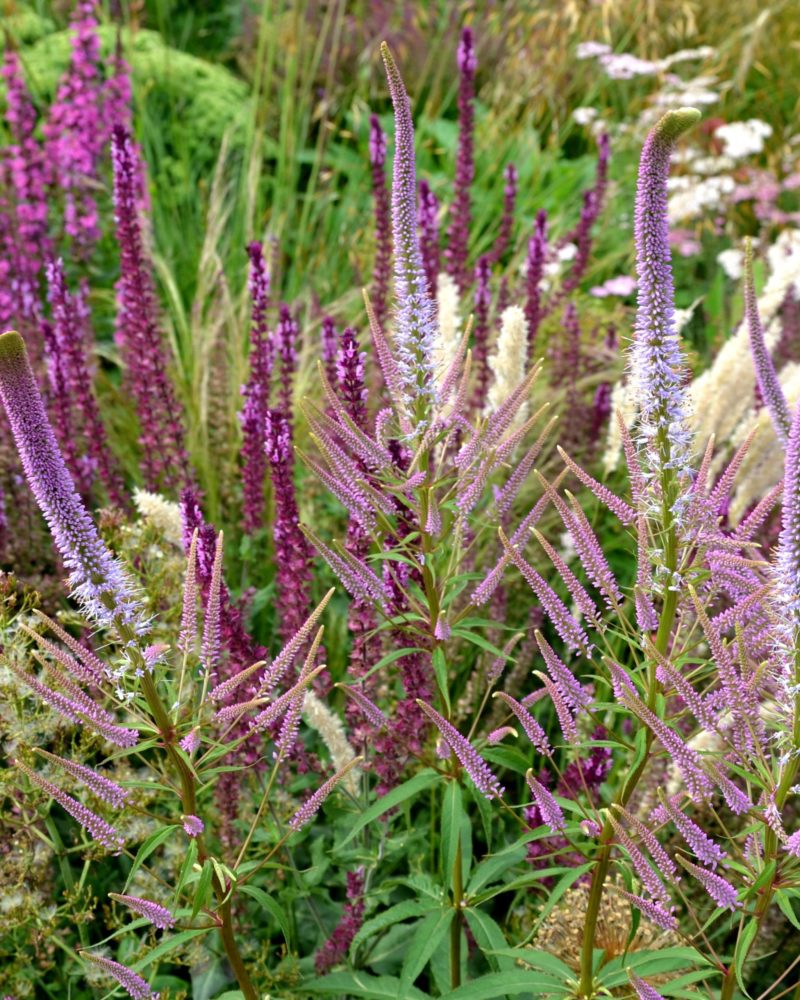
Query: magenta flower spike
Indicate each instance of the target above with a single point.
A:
(476, 767)
(256, 393)
(95, 825)
(480, 352)
(458, 232)
(97, 578)
(137, 987)
(164, 458)
(768, 384)
(656, 363)
(416, 316)
(335, 948)
(159, 916)
(330, 346)
(382, 268)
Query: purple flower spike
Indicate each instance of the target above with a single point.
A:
(476, 767)
(127, 978)
(655, 914)
(531, 727)
(788, 560)
(416, 315)
(98, 580)
(549, 809)
(382, 268)
(657, 366)
(330, 345)
(428, 219)
(480, 354)
(101, 831)
(507, 221)
(104, 788)
(537, 256)
(311, 806)
(69, 313)
(335, 948)
(458, 232)
(256, 393)
(722, 892)
(705, 849)
(164, 458)
(159, 916)
(768, 384)
(643, 990)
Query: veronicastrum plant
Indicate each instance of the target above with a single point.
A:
(666, 703)
(691, 672)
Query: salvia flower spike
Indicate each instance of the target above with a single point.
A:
(97, 578)
(657, 368)
(416, 312)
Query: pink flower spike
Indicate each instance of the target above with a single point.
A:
(722, 892)
(498, 735)
(617, 506)
(476, 767)
(159, 916)
(531, 727)
(792, 845)
(768, 383)
(104, 788)
(100, 831)
(655, 914)
(549, 809)
(643, 990)
(137, 987)
(311, 806)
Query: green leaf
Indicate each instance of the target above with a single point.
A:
(362, 984)
(494, 866)
(203, 891)
(186, 868)
(166, 946)
(452, 811)
(743, 942)
(477, 640)
(490, 938)
(148, 846)
(394, 915)
(785, 903)
(509, 984)
(427, 935)
(407, 790)
(542, 961)
(273, 908)
(440, 672)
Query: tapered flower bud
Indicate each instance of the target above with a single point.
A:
(159, 916)
(127, 978)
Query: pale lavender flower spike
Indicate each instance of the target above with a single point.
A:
(101, 831)
(104, 788)
(643, 990)
(416, 312)
(98, 580)
(722, 892)
(137, 987)
(532, 729)
(768, 383)
(311, 806)
(655, 913)
(549, 809)
(657, 369)
(159, 916)
(788, 559)
(476, 767)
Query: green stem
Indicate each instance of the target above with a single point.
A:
(455, 927)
